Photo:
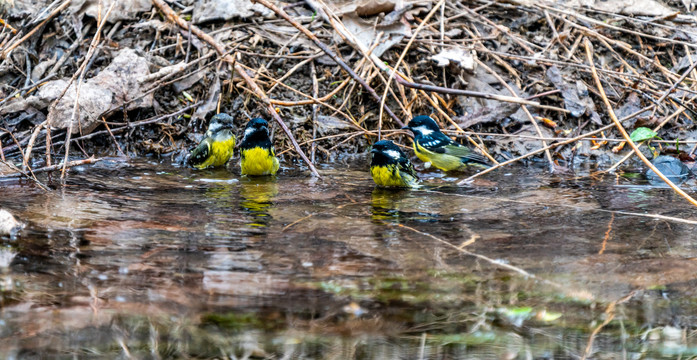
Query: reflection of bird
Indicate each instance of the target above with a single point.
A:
(217, 146)
(432, 146)
(384, 204)
(257, 152)
(256, 198)
(390, 167)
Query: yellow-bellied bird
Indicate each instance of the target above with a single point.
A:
(432, 146)
(257, 152)
(217, 146)
(389, 167)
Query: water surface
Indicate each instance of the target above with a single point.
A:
(148, 260)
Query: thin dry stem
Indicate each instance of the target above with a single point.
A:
(611, 112)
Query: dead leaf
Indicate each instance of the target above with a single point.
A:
(282, 35)
(366, 32)
(576, 98)
(110, 89)
(631, 105)
(123, 10)
(368, 19)
(482, 110)
(215, 10)
(330, 124)
(458, 56)
(363, 8)
(188, 81)
(547, 122)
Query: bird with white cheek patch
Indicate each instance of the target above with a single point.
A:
(257, 154)
(390, 167)
(434, 147)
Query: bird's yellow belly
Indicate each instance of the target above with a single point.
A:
(388, 176)
(258, 161)
(441, 161)
(221, 152)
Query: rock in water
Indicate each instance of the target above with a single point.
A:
(8, 224)
(669, 166)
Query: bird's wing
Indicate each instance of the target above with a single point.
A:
(463, 152)
(435, 141)
(405, 166)
(200, 153)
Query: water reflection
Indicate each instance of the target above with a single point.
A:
(385, 210)
(385, 204)
(256, 199)
(151, 261)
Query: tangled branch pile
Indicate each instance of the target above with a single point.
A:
(127, 77)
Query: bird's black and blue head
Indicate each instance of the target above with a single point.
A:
(256, 133)
(219, 122)
(385, 152)
(422, 125)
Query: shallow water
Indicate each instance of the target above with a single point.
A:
(148, 260)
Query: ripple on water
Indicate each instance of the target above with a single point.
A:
(165, 260)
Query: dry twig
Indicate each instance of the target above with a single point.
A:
(172, 16)
(611, 112)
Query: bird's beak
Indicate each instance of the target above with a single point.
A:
(375, 151)
(406, 128)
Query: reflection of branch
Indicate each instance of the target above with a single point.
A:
(481, 257)
(609, 315)
(172, 16)
(607, 235)
(538, 203)
(25, 165)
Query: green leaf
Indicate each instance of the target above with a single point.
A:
(642, 133)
